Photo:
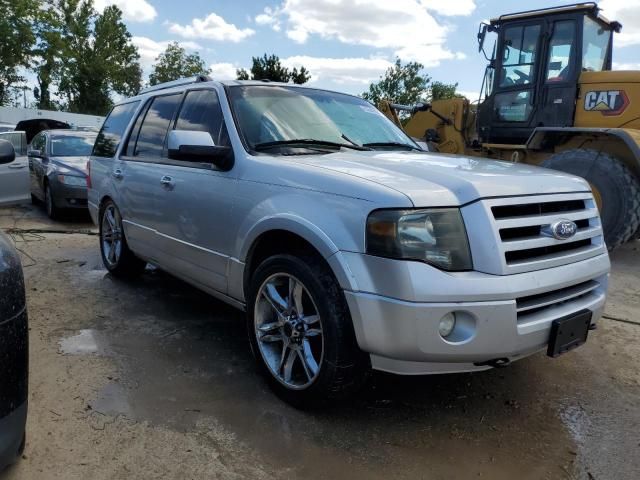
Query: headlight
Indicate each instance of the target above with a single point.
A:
(72, 180)
(436, 236)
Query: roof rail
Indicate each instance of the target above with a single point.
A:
(177, 83)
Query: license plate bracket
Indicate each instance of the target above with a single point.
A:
(568, 333)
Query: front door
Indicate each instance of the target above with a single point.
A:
(197, 201)
(14, 177)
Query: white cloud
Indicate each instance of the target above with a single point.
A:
(406, 27)
(150, 49)
(628, 13)
(450, 8)
(212, 27)
(223, 71)
(132, 10)
(355, 71)
(472, 95)
(626, 66)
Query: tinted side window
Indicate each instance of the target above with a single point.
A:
(113, 129)
(155, 125)
(201, 111)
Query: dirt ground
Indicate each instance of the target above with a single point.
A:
(153, 379)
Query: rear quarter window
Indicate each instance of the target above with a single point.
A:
(113, 129)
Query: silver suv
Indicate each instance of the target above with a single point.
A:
(348, 246)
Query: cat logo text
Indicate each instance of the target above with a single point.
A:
(607, 102)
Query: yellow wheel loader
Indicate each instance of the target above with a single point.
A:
(549, 98)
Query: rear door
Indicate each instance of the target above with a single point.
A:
(139, 175)
(14, 176)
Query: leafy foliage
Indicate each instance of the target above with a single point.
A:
(99, 58)
(174, 63)
(16, 41)
(268, 67)
(407, 85)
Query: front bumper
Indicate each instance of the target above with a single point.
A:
(68, 196)
(14, 367)
(12, 430)
(396, 308)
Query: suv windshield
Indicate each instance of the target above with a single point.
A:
(278, 116)
(72, 146)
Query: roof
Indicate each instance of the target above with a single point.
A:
(589, 7)
(71, 132)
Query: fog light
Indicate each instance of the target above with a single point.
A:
(447, 324)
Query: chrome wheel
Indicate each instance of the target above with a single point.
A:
(288, 330)
(111, 235)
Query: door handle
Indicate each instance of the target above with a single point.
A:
(167, 182)
(16, 166)
(117, 174)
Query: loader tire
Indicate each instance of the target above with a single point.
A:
(617, 186)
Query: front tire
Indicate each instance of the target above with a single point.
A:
(53, 212)
(617, 187)
(301, 332)
(115, 252)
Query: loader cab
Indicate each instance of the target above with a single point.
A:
(532, 78)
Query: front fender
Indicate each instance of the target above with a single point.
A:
(330, 223)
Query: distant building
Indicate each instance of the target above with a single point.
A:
(12, 115)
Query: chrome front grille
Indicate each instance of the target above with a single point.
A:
(521, 229)
(532, 304)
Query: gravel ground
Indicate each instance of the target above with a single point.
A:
(154, 379)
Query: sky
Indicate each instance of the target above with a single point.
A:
(344, 44)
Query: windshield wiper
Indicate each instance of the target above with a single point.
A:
(302, 142)
(392, 144)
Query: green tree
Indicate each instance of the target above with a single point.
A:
(47, 53)
(442, 91)
(407, 84)
(268, 67)
(174, 63)
(98, 57)
(16, 41)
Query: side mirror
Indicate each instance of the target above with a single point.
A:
(7, 153)
(482, 33)
(34, 153)
(197, 146)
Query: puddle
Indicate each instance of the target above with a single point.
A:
(577, 422)
(112, 400)
(84, 343)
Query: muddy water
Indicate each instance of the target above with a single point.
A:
(184, 358)
(181, 363)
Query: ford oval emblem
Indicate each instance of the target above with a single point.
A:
(563, 229)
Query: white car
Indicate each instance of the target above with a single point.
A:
(349, 247)
(14, 170)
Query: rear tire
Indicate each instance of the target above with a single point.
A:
(618, 187)
(311, 356)
(114, 250)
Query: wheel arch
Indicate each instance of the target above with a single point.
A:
(284, 235)
(622, 143)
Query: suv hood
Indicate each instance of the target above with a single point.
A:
(430, 179)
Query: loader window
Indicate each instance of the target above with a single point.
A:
(561, 52)
(519, 55)
(595, 46)
(513, 106)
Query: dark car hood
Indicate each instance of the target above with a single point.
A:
(77, 164)
(11, 281)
